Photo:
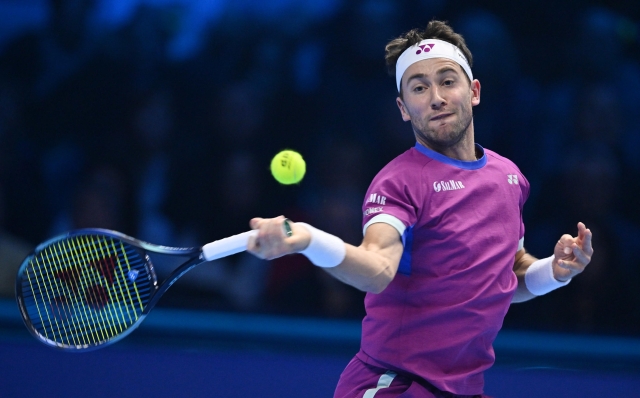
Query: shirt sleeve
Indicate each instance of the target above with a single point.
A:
(392, 199)
(387, 219)
(524, 195)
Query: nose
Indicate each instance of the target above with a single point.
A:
(437, 100)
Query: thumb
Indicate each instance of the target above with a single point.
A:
(564, 246)
(254, 223)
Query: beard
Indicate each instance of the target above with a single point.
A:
(443, 137)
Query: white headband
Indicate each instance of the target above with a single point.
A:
(430, 48)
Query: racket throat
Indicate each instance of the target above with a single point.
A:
(171, 279)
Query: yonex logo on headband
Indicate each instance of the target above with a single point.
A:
(427, 49)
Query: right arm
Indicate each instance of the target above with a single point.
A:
(369, 267)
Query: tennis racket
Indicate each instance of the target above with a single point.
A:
(89, 288)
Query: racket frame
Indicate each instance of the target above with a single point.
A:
(196, 258)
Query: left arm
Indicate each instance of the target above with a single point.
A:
(571, 255)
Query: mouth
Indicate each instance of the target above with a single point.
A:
(441, 116)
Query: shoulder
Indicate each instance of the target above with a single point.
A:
(502, 163)
(400, 179)
(501, 160)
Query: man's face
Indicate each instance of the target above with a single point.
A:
(437, 99)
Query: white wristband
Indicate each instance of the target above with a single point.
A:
(324, 250)
(539, 277)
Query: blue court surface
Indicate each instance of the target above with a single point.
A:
(180, 353)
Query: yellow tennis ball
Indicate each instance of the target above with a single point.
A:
(288, 167)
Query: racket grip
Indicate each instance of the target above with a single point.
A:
(227, 246)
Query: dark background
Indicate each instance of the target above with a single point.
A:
(159, 118)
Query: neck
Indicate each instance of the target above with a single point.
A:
(464, 150)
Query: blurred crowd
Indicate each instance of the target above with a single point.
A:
(162, 126)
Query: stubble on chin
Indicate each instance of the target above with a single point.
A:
(440, 140)
(445, 136)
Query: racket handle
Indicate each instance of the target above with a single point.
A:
(227, 246)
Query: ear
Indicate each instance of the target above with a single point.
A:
(403, 109)
(475, 89)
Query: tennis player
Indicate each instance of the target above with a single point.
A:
(443, 252)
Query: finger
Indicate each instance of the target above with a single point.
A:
(271, 234)
(267, 233)
(566, 240)
(252, 243)
(581, 256)
(253, 246)
(276, 228)
(254, 223)
(571, 266)
(565, 243)
(586, 242)
(582, 231)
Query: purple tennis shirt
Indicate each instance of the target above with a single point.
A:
(461, 226)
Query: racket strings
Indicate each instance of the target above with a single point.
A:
(108, 268)
(85, 290)
(72, 286)
(84, 287)
(93, 297)
(64, 284)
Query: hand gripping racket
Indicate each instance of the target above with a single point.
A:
(90, 288)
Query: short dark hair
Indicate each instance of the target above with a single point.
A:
(435, 30)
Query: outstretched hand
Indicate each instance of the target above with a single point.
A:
(274, 239)
(572, 254)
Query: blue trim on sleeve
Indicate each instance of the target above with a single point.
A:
(472, 165)
(405, 260)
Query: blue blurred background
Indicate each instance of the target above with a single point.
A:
(158, 118)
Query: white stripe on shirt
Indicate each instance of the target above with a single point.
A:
(384, 382)
(387, 219)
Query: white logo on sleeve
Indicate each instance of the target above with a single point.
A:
(375, 199)
(450, 185)
(512, 178)
(378, 199)
(373, 210)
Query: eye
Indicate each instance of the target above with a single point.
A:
(448, 82)
(419, 89)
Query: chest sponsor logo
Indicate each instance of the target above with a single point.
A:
(512, 179)
(450, 185)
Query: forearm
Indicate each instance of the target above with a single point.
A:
(369, 267)
(522, 262)
(536, 276)
(366, 268)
